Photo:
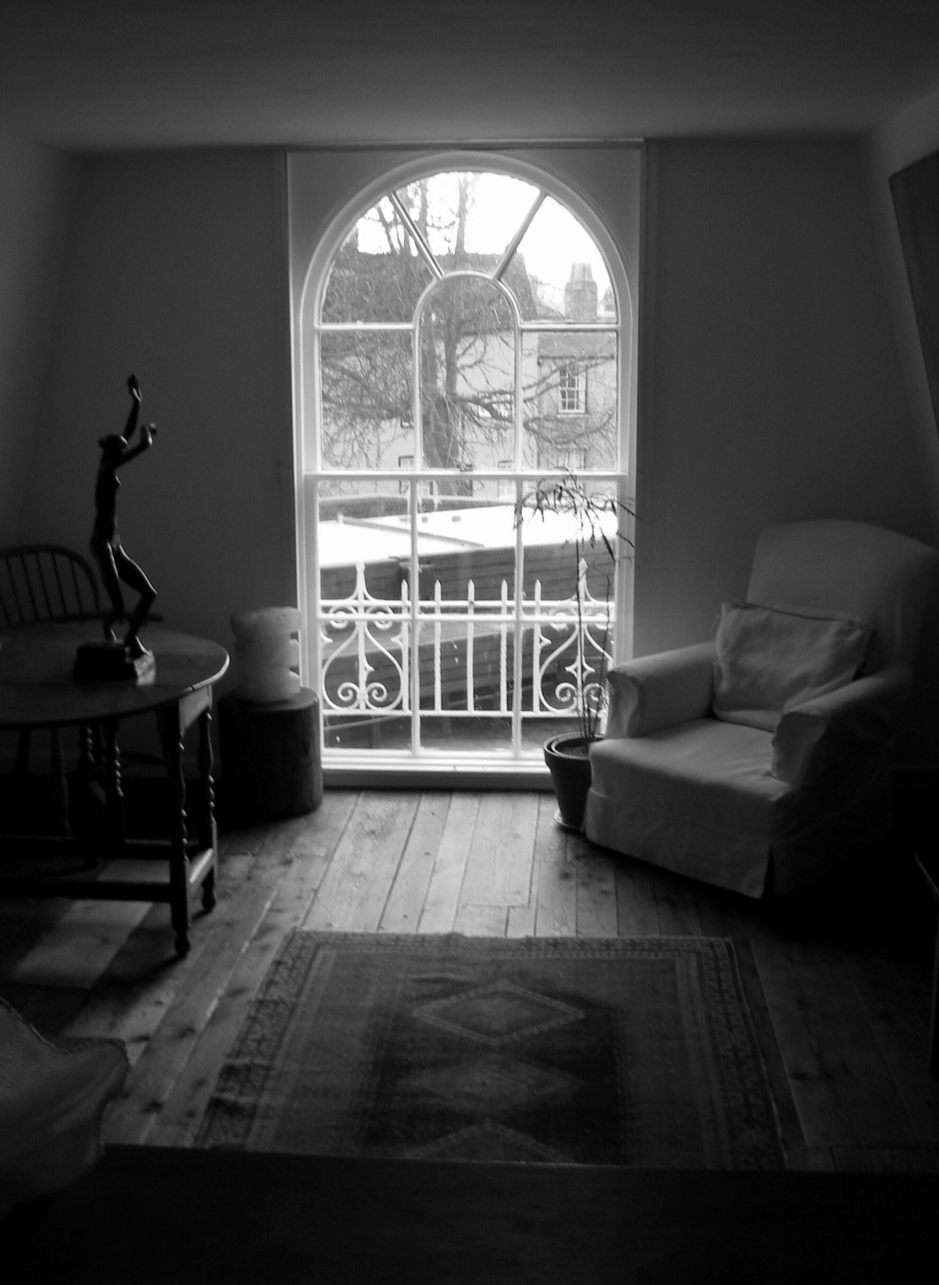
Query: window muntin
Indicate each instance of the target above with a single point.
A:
(377, 273)
(554, 248)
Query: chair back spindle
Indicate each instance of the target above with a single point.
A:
(46, 582)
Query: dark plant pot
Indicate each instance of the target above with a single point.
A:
(566, 757)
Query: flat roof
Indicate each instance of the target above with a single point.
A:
(347, 541)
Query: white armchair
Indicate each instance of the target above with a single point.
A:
(761, 760)
(52, 1099)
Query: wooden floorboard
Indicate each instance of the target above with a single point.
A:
(555, 884)
(364, 863)
(406, 900)
(499, 866)
(839, 977)
(896, 999)
(445, 885)
(146, 980)
(637, 910)
(596, 889)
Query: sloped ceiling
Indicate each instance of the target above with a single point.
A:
(122, 74)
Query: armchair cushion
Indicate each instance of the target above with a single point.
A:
(773, 658)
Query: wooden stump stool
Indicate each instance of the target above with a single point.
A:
(270, 756)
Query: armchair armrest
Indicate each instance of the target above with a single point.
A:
(661, 690)
(864, 713)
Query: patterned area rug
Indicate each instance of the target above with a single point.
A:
(636, 1052)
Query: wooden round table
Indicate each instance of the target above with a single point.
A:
(38, 689)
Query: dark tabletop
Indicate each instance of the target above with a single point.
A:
(37, 687)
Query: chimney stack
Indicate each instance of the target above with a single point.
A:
(580, 294)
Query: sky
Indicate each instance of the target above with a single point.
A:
(555, 240)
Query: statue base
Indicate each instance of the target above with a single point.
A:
(112, 662)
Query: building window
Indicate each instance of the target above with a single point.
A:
(572, 389)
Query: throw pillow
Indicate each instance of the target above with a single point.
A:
(771, 658)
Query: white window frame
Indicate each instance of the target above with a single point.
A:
(624, 276)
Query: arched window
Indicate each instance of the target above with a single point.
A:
(464, 338)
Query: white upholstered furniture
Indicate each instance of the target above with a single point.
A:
(52, 1099)
(762, 759)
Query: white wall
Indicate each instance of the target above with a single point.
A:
(36, 195)
(178, 272)
(773, 385)
(774, 389)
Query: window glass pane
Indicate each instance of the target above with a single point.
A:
(374, 731)
(378, 273)
(467, 344)
(465, 663)
(361, 522)
(468, 219)
(467, 612)
(536, 729)
(566, 653)
(570, 537)
(568, 273)
(430, 624)
(477, 733)
(465, 603)
(570, 404)
(366, 394)
(363, 620)
(566, 522)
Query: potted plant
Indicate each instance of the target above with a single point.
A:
(595, 517)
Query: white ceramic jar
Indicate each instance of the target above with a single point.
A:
(267, 654)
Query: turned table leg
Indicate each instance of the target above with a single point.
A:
(115, 828)
(208, 833)
(171, 735)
